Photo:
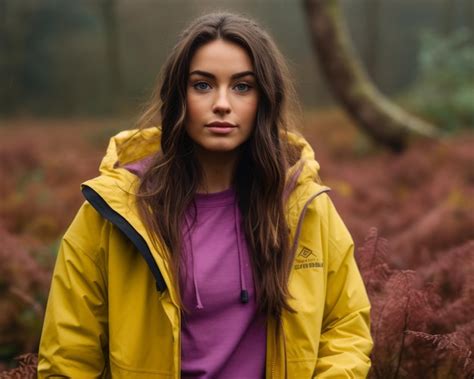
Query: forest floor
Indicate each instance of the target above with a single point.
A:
(421, 200)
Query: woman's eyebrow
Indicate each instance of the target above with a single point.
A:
(212, 76)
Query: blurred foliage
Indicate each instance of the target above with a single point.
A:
(444, 89)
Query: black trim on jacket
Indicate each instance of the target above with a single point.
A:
(128, 230)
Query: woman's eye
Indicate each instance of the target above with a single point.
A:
(242, 87)
(201, 86)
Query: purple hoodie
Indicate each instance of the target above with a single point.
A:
(222, 334)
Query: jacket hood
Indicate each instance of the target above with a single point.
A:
(134, 149)
(130, 152)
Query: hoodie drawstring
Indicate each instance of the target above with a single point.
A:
(244, 295)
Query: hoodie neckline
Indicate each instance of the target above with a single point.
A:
(215, 199)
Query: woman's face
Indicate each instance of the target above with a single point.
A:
(222, 97)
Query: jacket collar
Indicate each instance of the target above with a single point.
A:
(133, 150)
(127, 156)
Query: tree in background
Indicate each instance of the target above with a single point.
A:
(377, 116)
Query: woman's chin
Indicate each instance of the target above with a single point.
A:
(218, 148)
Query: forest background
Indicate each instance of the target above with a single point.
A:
(73, 73)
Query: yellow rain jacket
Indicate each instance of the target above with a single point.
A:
(112, 306)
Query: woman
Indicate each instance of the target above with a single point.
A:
(207, 248)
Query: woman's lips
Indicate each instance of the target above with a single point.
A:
(220, 127)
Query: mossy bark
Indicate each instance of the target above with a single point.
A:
(381, 119)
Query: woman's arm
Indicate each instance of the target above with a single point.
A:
(345, 343)
(74, 333)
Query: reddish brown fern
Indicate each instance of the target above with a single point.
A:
(27, 368)
(23, 288)
(406, 313)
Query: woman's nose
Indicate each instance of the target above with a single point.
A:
(221, 103)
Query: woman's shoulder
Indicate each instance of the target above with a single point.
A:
(87, 231)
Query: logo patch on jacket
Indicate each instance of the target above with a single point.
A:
(307, 258)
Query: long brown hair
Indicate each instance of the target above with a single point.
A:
(169, 184)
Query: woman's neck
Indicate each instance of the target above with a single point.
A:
(218, 170)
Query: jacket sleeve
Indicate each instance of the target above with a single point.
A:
(74, 334)
(345, 342)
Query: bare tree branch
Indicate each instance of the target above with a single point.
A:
(380, 118)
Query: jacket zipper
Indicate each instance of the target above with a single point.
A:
(283, 336)
(126, 228)
(275, 355)
(178, 373)
(274, 360)
(301, 217)
(279, 337)
(293, 251)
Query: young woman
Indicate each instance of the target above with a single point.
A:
(207, 248)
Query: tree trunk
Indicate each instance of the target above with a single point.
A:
(376, 115)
